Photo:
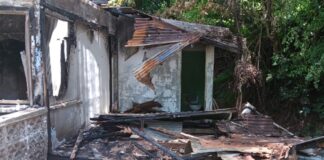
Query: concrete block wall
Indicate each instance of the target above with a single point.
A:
(23, 137)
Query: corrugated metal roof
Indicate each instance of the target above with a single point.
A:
(152, 31)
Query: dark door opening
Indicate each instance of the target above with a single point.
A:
(13, 84)
(193, 80)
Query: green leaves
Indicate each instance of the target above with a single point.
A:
(298, 67)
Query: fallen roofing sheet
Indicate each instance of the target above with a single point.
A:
(142, 74)
(151, 30)
(252, 125)
(221, 37)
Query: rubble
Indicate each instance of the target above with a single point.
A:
(250, 137)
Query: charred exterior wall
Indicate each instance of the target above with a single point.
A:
(87, 83)
(23, 134)
(31, 9)
(166, 79)
(89, 72)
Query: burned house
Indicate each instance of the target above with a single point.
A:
(54, 61)
(168, 61)
(64, 62)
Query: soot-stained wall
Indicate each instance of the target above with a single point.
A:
(88, 82)
(166, 79)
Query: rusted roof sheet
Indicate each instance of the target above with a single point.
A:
(221, 37)
(258, 146)
(260, 125)
(152, 31)
(142, 74)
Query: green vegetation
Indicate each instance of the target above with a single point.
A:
(286, 38)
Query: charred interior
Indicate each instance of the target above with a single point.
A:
(13, 84)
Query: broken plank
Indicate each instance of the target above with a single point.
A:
(309, 143)
(14, 102)
(65, 104)
(203, 131)
(190, 136)
(76, 145)
(122, 117)
(146, 107)
(153, 142)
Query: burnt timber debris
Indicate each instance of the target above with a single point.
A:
(253, 136)
(146, 107)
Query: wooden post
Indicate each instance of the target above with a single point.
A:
(209, 77)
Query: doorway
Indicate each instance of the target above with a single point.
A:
(193, 81)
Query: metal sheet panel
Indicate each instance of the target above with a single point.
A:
(152, 31)
(142, 74)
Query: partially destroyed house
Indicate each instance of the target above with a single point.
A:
(64, 62)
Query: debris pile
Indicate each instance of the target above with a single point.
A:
(131, 136)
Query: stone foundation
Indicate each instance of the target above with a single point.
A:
(24, 136)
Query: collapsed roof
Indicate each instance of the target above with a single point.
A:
(124, 136)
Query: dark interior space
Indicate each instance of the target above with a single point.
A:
(223, 91)
(193, 80)
(12, 76)
(13, 84)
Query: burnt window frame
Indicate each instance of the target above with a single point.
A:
(29, 100)
(70, 41)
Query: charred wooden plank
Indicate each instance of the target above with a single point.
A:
(168, 114)
(309, 143)
(108, 135)
(76, 145)
(146, 107)
(129, 117)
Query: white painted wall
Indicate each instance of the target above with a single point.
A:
(88, 82)
(166, 79)
(93, 70)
